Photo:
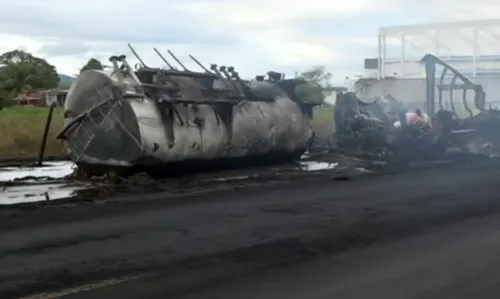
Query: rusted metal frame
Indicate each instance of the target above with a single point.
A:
(440, 90)
(430, 63)
(451, 96)
(464, 100)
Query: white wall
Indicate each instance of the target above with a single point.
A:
(411, 91)
(50, 99)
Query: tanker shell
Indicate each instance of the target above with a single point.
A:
(134, 131)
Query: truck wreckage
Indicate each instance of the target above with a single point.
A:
(371, 126)
(170, 120)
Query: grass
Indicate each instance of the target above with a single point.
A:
(21, 131)
(323, 123)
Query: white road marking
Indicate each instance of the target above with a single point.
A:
(86, 287)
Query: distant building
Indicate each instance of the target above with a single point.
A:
(41, 98)
(471, 47)
(332, 93)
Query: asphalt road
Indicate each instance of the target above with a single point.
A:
(458, 262)
(461, 261)
(189, 244)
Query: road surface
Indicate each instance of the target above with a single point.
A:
(180, 245)
(461, 261)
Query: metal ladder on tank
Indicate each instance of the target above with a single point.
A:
(84, 142)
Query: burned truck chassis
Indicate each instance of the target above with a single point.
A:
(359, 129)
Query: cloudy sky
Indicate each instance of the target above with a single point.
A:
(252, 35)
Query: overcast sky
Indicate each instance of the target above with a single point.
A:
(252, 35)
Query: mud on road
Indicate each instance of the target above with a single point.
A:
(205, 235)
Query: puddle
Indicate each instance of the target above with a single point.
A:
(33, 193)
(45, 182)
(315, 166)
(31, 190)
(52, 169)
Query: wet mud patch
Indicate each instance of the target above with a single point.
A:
(28, 184)
(59, 183)
(110, 185)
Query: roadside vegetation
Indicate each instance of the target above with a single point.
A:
(323, 124)
(22, 130)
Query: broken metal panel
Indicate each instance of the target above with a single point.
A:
(152, 116)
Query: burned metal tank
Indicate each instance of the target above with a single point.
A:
(144, 118)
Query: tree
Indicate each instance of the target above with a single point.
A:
(318, 85)
(21, 70)
(92, 64)
(318, 75)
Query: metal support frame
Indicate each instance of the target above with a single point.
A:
(434, 31)
(474, 54)
(403, 54)
(430, 62)
(437, 35)
(380, 62)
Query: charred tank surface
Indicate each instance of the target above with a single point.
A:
(169, 121)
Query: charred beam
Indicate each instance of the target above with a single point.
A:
(470, 86)
(136, 55)
(177, 60)
(163, 58)
(199, 64)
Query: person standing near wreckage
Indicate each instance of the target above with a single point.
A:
(412, 118)
(426, 119)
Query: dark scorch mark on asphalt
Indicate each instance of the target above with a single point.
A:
(205, 236)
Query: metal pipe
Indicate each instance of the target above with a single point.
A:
(198, 63)
(130, 71)
(403, 54)
(474, 55)
(45, 135)
(430, 86)
(379, 73)
(116, 68)
(164, 60)
(213, 67)
(178, 61)
(223, 70)
(136, 55)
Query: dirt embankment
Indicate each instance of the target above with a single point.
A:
(201, 236)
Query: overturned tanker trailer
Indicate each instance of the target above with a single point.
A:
(170, 121)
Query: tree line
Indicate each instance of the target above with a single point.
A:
(21, 70)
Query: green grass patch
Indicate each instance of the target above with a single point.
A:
(21, 132)
(323, 123)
